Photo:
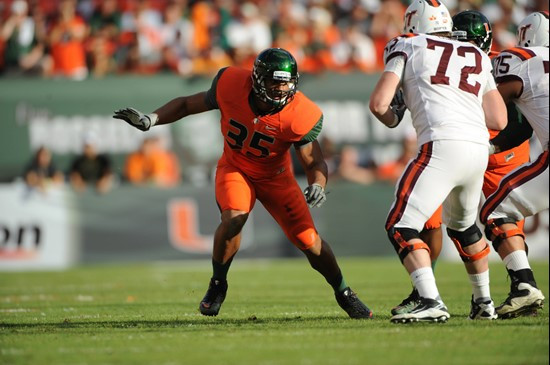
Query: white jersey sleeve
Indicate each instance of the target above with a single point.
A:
(397, 48)
(395, 56)
(396, 65)
(530, 66)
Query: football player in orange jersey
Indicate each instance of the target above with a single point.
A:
(263, 115)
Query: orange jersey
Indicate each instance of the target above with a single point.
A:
(258, 145)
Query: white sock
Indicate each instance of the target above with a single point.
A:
(424, 281)
(517, 260)
(480, 286)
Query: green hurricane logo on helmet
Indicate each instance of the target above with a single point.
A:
(471, 25)
(275, 77)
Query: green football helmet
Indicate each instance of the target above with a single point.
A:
(275, 77)
(471, 25)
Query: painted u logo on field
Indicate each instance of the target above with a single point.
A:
(183, 227)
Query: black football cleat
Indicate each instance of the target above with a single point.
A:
(215, 295)
(354, 307)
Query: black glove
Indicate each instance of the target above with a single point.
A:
(398, 107)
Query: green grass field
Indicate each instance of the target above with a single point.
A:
(276, 312)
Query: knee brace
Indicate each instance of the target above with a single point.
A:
(399, 238)
(494, 233)
(465, 239)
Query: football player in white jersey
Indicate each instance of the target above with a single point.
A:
(448, 87)
(522, 76)
(511, 150)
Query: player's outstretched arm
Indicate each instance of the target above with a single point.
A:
(136, 118)
(170, 112)
(181, 107)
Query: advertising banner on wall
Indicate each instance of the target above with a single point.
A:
(58, 229)
(37, 229)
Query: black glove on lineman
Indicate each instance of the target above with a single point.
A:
(398, 107)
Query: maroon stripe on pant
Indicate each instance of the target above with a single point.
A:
(511, 182)
(407, 183)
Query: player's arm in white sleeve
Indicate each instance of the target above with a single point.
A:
(386, 93)
(494, 108)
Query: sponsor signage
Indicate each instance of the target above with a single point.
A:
(36, 229)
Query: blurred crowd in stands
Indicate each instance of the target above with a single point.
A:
(151, 165)
(79, 39)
